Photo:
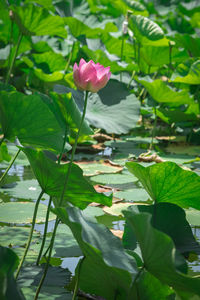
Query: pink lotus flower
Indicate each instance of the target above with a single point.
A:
(90, 76)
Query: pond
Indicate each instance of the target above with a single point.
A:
(20, 185)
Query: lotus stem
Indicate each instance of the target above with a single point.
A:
(134, 281)
(122, 52)
(14, 58)
(45, 231)
(48, 208)
(61, 199)
(153, 131)
(10, 165)
(132, 76)
(78, 278)
(48, 260)
(30, 234)
(74, 149)
(1, 141)
(69, 59)
(138, 58)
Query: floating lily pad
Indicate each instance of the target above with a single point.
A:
(16, 236)
(22, 213)
(91, 169)
(193, 216)
(65, 244)
(177, 158)
(27, 189)
(127, 147)
(113, 179)
(135, 195)
(53, 287)
(116, 209)
(31, 256)
(91, 212)
(193, 150)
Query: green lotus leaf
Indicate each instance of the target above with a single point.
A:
(109, 268)
(35, 20)
(144, 27)
(29, 119)
(167, 182)
(51, 177)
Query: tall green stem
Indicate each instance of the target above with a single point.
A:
(69, 59)
(11, 40)
(78, 278)
(1, 141)
(122, 52)
(132, 76)
(49, 206)
(153, 131)
(170, 57)
(45, 231)
(135, 282)
(48, 260)
(30, 234)
(13, 58)
(138, 56)
(10, 165)
(135, 50)
(74, 149)
(61, 198)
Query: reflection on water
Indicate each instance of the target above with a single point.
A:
(17, 173)
(70, 263)
(40, 227)
(17, 170)
(118, 225)
(106, 152)
(195, 265)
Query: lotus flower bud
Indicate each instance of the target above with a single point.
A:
(90, 76)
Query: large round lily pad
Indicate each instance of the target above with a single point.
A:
(22, 213)
(16, 236)
(27, 189)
